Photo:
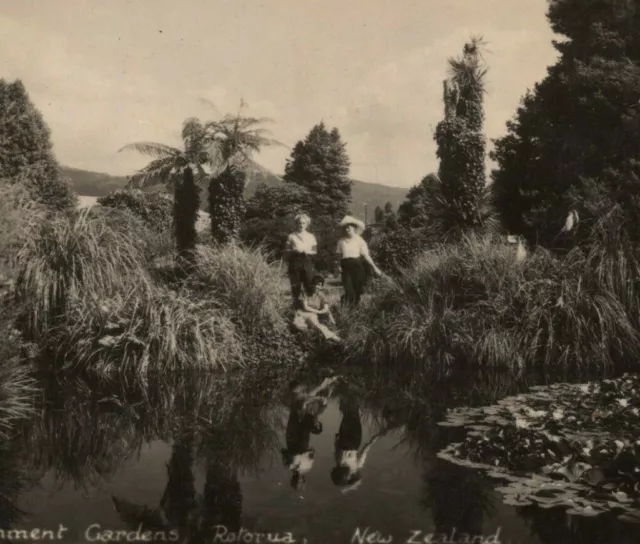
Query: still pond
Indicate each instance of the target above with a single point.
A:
(322, 458)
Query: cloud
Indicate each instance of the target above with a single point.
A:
(392, 115)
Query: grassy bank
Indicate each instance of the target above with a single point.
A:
(95, 299)
(473, 304)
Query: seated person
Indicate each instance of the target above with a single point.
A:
(313, 310)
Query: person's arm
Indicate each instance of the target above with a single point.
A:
(338, 257)
(314, 245)
(362, 456)
(364, 251)
(307, 308)
(288, 247)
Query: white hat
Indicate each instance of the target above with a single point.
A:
(349, 220)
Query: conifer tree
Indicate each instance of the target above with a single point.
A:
(26, 152)
(574, 143)
(320, 164)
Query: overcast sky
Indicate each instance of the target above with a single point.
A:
(108, 72)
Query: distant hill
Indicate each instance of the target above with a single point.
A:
(96, 184)
(89, 183)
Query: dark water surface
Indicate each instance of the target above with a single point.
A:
(202, 461)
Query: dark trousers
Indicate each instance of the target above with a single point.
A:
(354, 276)
(300, 274)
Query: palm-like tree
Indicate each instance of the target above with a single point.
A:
(232, 142)
(184, 169)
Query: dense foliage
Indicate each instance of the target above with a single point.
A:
(226, 204)
(155, 209)
(575, 140)
(270, 213)
(461, 143)
(477, 303)
(395, 249)
(26, 153)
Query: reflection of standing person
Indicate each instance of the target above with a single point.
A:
(350, 459)
(354, 253)
(300, 247)
(304, 411)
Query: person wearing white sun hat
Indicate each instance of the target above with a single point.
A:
(354, 252)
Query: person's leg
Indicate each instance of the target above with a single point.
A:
(295, 277)
(307, 273)
(359, 276)
(313, 320)
(347, 282)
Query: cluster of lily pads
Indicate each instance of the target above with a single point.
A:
(565, 445)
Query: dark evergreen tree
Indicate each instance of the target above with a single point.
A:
(412, 212)
(378, 215)
(185, 215)
(461, 143)
(226, 204)
(26, 152)
(574, 143)
(320, 164)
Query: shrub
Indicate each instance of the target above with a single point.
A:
(19, 219)
(472, 304)
(155, 209)
(145, 329)
(395, 250)
(252, 291)
(69, 257)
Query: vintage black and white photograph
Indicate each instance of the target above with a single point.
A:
(320, 271)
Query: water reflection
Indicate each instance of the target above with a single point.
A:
(231, 441)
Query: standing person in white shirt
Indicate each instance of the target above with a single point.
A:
(301, 246)
(354, 252)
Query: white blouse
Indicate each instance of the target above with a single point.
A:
(302, 242)
(352, 248)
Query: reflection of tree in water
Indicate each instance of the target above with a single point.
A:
(555, 526)
(12, 483)
(458, 497)
(225, 440)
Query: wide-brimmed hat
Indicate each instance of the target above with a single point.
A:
(350, 220)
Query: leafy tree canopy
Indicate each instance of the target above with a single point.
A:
(320, 164)
(26, 152)
(575, 139)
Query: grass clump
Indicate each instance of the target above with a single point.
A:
(251, 290)
(90, 298)
(474, 304)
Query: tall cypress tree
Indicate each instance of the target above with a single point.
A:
(26, 152)
(461, 143)
(320, 164)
